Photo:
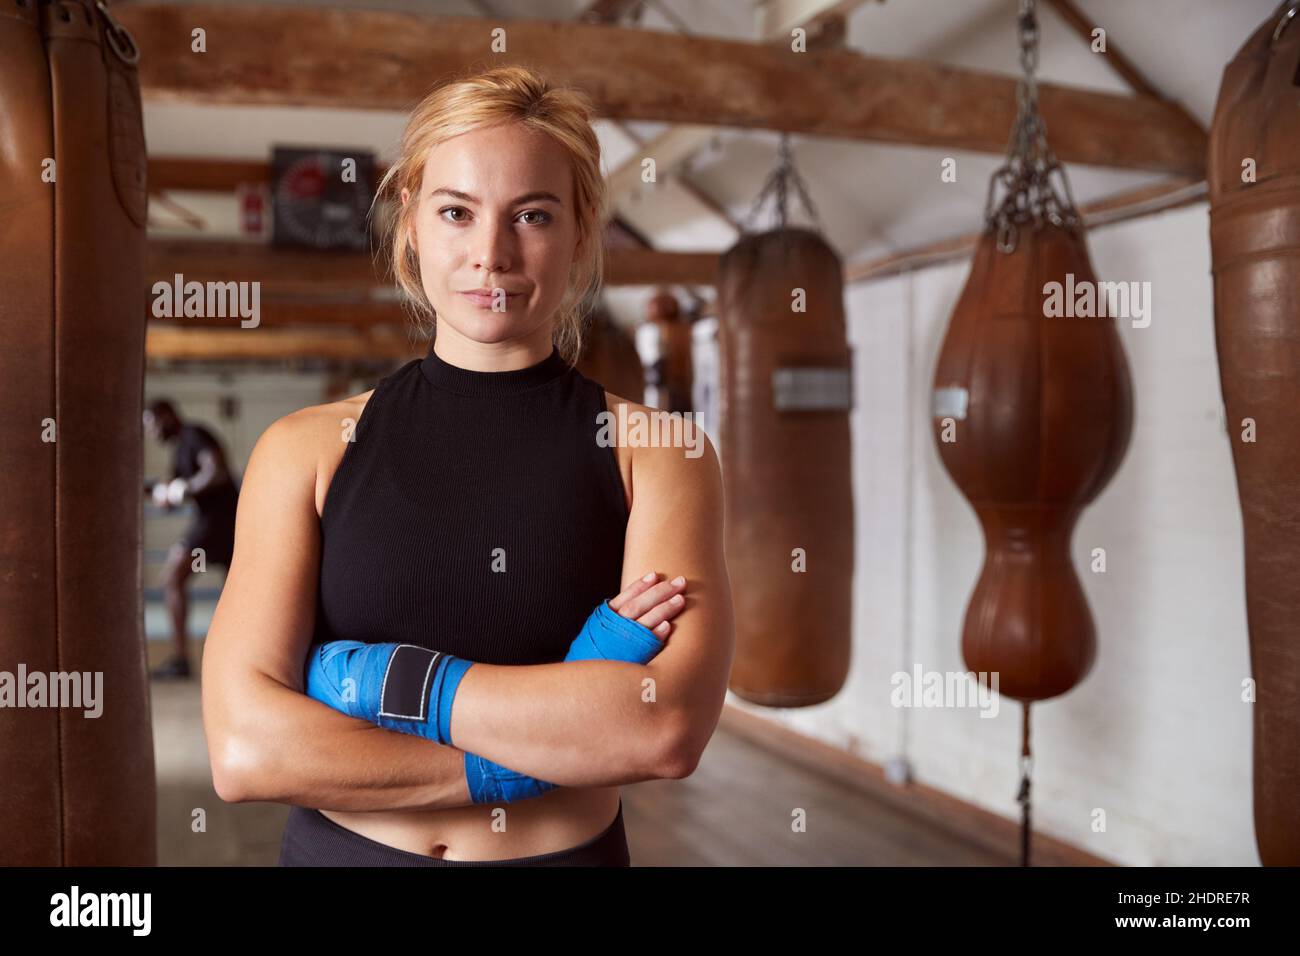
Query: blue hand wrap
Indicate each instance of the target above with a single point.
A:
(490, 782)
(411, 690)
(396, 686)
(608, 636)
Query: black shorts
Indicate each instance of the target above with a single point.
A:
(313, 839)
(214, 532)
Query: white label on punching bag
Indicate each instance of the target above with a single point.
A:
(950, 403)
(811, 389)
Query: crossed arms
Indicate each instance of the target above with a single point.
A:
(577, 724)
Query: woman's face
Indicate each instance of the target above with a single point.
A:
(495, 211)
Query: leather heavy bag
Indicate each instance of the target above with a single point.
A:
(609, 357)
(1039, 410)
(664, 343)
(1255, 240)
(784, 407)
(74, 789)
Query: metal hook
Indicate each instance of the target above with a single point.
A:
(1285, 20)
(1007, 236)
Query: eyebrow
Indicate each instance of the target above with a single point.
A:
(539, 195)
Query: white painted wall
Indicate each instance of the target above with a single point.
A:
(1157, 735)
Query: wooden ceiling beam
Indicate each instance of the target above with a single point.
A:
(1130, 204)
(282, 272)
(1083, 25)
(206, 174)
(212, 174)
(275, 345)
(339, 58)
(307, 313)
(652, 267)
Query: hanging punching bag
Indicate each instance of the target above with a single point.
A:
(76, 750)
(664, 343)
(1032, 415)
(1032, 409)
(1255, 240)
(609, 357)
(784, 404)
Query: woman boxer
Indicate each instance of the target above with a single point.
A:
(455, 531)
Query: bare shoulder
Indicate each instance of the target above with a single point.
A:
(668, 454)
(314, 439)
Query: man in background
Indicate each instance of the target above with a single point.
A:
(199, 474)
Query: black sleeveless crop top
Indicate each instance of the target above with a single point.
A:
(473, 513)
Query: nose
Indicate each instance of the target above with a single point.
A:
(493, 251)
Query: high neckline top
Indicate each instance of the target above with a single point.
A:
(464, 381)
(437, 491)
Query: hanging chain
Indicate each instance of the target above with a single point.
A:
(1022, 796)
(778, 184)
(1030, 194)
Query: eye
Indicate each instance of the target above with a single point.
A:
(446, 209)
(546, 216)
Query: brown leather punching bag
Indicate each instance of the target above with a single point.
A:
(609, 357)
(1255, 238)
(664, 342)
(76, 788)
(1032, 415)
(784, 406)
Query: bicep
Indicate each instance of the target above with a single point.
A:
(265, 618)
(676, 527)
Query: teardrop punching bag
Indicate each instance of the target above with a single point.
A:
(1032, 413)
(1255, 243)
(76, 786)
(784, 404)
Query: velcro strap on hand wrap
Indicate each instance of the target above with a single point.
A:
(400, 687)
(418, 690)
(405, 691)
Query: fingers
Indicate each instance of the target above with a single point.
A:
(659, 615)
(651, 604)
(632, 590)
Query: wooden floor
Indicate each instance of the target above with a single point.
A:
(738, 807)
(735, 810)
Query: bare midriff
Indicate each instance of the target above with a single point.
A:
(557, 820)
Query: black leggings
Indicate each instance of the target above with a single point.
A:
(313, 839)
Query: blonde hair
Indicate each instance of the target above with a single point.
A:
(502, 95)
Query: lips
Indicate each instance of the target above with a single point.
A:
(484, 298)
